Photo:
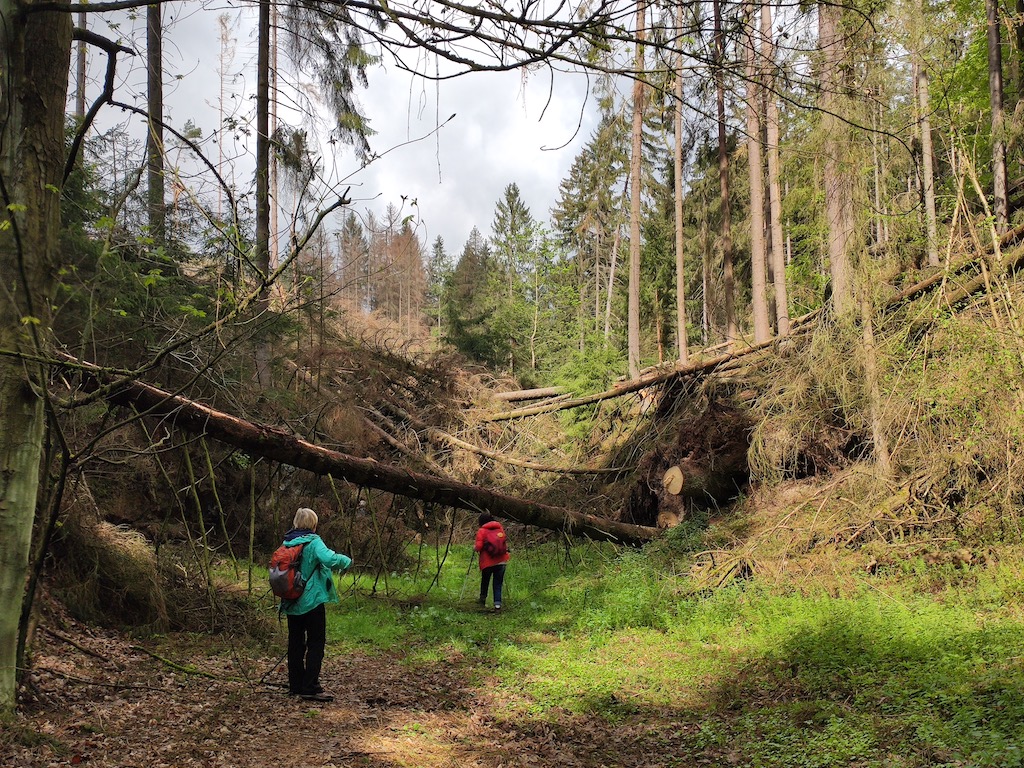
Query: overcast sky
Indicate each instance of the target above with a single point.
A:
(508, 127)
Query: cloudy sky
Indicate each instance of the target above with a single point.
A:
(508, 127)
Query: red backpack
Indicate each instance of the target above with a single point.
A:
(495, 542)
(286, 572)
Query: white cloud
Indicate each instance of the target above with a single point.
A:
(503, 126)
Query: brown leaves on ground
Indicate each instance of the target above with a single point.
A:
(98, 699)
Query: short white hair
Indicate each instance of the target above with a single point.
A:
(305, 518)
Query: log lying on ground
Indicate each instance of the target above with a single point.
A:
(528, 394)
(278, 445)
(657, 376)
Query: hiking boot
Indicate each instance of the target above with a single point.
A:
(317, 697)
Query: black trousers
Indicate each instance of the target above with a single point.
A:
(307, 636)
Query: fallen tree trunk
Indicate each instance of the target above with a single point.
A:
(657, 376)
(278, 445)
(528, 394)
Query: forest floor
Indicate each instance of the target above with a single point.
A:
(96, 698)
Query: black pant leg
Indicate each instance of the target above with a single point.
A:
(485, 581)
(316, 641)
(296, 652)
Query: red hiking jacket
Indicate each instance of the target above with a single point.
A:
(487, 560)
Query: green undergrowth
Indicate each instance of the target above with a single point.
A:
(914, 669)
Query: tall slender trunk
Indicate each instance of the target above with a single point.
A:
(155, 136)
(261, 247)
(755, 166)
(35, 47)
(879, 439)
(995, 91)
(1018, 33)
(636, 193)
(778, 255)
(835, 174)
(659, 329)
(80, 69)
(616, 244)
(927, 167)
(728, 280)
(705, 285)
(274, 236)
(680, 245)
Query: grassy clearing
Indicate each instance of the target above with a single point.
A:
(921, 668)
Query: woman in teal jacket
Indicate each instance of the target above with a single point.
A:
(307, 616)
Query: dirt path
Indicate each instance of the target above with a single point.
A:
(98, 700)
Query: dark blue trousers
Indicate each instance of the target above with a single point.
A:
(497, 572)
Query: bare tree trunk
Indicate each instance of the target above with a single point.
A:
(272, 193)
(728, 282)
(636, 193)
(80, 70)
(155, 136)
(35, 47)
(878, 436)
(774, 190)
(705, 286)
(680, 245)
(838, 184)
(616, 244)
(927, 166)
(261, 255)
(755, 166)
(995, 90)
(1018, 34)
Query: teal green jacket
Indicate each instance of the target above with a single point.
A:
(318, 560)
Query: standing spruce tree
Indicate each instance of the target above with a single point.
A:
(513, 235)
(439, 270)
(471, 301)
(588, 220)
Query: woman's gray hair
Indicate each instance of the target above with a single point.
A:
(305, 518)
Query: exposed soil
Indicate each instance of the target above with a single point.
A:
(97, 699)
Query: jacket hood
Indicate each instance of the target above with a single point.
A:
(298, 536)
(493, 525)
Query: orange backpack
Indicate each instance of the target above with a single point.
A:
(286, 572)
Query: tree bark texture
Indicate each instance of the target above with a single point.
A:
(261, 255)
(681, 339)
(836, 172)
(155, 192)
(778, 255)
(758, 252)
(927, 165)
(80, 68)
(635, 191)
(36, 50)
(728, 280)
(277, 445)
(995, 90)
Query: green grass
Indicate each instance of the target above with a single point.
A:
(889, 675)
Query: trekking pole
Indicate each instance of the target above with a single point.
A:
(465, 578)
(263, 680)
